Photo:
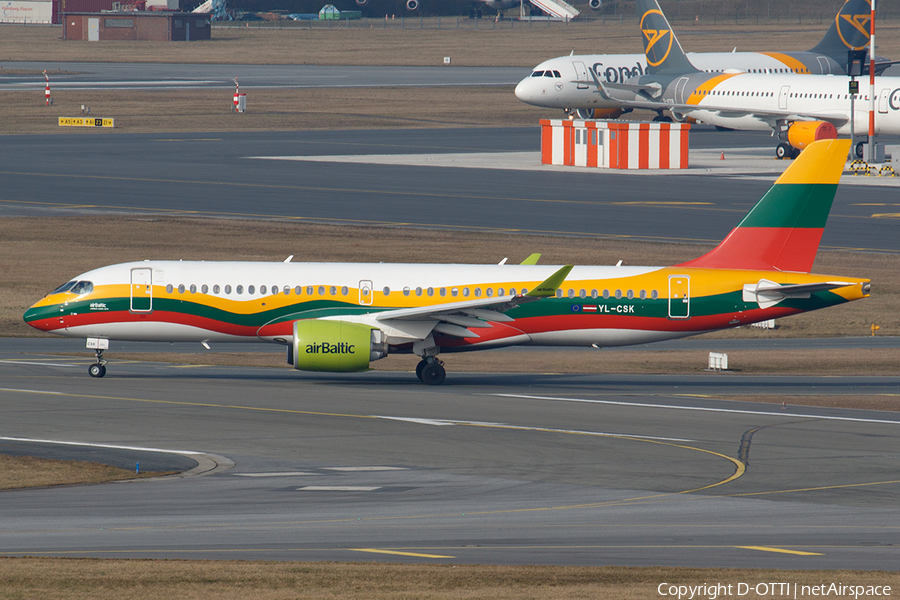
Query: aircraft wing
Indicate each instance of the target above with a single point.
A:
(456, 318)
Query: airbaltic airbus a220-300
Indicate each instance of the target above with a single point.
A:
(342, 316)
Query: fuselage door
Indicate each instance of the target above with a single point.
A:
(824, 65)
(366, 293)
(783, 97)
(883, 100)
(679, 90)
(580, 74)
(142, 290)
(679, 297)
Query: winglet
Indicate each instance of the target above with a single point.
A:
(532, 260)
(549, 286)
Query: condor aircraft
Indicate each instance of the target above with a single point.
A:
(565, 82)
(341, 317)
(798, 108)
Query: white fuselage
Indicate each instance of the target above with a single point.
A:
(573, 87)
(752, 102)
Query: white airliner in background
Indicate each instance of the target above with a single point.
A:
(497, 5)
(798, 108)
(565, 82)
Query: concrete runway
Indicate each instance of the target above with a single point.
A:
(493, 469)
(215, 175)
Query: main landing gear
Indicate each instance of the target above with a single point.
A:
(785, 150)
(98, 369)
(431, 371)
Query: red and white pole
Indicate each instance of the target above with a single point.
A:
(870, 152)
(237, 93)
(47, 88)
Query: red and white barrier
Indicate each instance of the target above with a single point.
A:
(614, 144)
(240, 100)
(47, 89)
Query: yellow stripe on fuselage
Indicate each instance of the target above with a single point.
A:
(789, 61)
(703, 90)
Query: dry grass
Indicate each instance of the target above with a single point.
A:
(505, 44)
(73, 579)
(33, 263)
(270, 109)
(18, 472)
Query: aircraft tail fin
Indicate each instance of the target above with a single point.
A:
(849, 31)
(661, 48)
(782, 232)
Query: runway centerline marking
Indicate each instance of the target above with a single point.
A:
(780, 550)
(700, 408)
(398, 553)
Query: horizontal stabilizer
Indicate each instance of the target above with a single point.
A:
(769, 293)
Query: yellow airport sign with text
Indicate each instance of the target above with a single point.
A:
(85, 122)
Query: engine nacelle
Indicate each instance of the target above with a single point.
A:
(595, 4)
(607, 113)
(335, 346)
(362, 2)
(412, 4)
(803, 133)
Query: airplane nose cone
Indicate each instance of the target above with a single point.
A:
(40, 317)
(525, 91)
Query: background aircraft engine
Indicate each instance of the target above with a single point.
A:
(412, 4)
(595, 4)
(607, 113)
(362, 2)
(803, 133)
(335, 346)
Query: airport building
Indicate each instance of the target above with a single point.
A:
(157, 26)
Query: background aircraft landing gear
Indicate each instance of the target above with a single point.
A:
(785, 150)
(98, 369)
(859, 149)
(431, 371)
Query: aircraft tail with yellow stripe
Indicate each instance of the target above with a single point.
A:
(782, 232)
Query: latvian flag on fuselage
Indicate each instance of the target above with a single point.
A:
(589, 308)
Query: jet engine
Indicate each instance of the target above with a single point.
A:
(803, 133)
(412, 4)
(598, 113)
(595, 4)
(362, 2)
(335, 346)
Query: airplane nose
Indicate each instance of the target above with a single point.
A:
(525, 91)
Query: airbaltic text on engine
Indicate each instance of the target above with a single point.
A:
(326, 348)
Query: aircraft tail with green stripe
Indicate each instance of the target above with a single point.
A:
(782, 232)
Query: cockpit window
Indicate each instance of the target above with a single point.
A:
(82, 287)
(64, 287)
(548, 73)
(537, 74)
(557, 75)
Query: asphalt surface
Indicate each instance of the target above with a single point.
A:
(493, 469)
(215, 174)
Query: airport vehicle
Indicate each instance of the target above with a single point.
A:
(342, 316)
(796, 108)
(565, 82)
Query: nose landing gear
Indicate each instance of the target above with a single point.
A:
(98, 369)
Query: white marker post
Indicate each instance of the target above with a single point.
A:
(47, 89)
(870, 147)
